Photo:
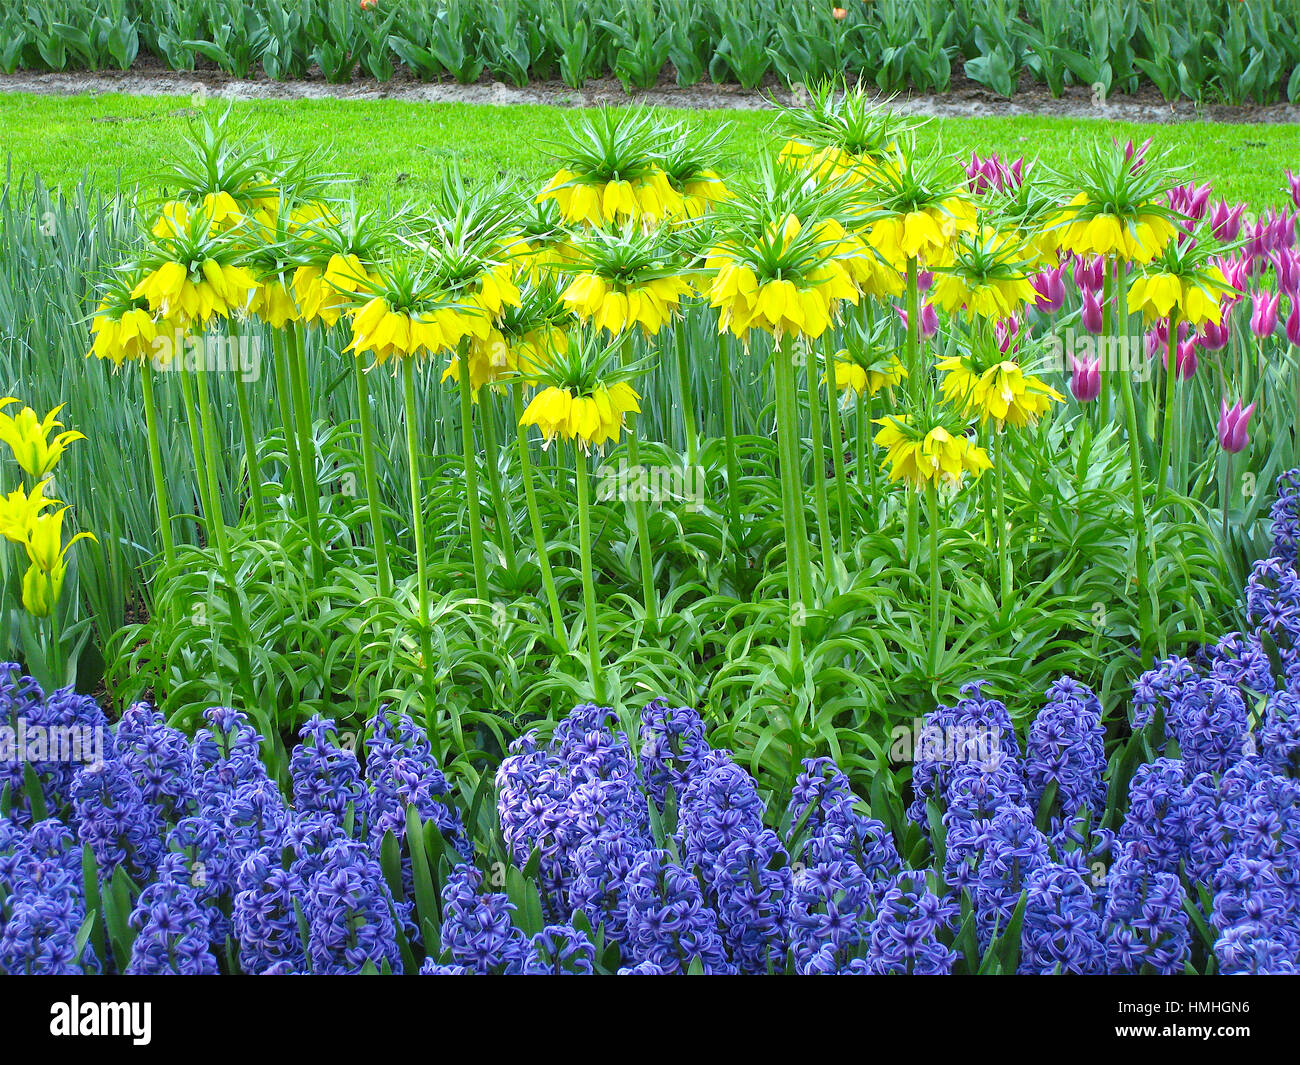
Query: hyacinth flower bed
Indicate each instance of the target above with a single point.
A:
(651, 852)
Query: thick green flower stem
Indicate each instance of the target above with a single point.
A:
(788, 497)
(161, 498)
(791, 481)
(862, 405)
(588, 581)
(535, 517)
(1107, 318)
(1145, 620)
(837, 451)
(492, 462)
(306, 446)
(471, 473)
(216, 524)
(729, 437)
(1000, 490)
(284, 397)
(986, 493)
(251, 461)
(366, 422)
(686, 397)
(417, 528)
(1163, 471)
(791, 466)
(196, 449)
(644, 549)
(936, 583)
(827, 544)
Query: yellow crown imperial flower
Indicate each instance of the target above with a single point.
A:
(390, 333)
(616, 307)
(489, 360)
(273, 303)
(122, 333)
(1198, 299)
(190, 298)
(850, 375)
(29, 438)
(1003, 391)
(921, 456)
(1138, 235)
(926, 234)
(591, 420)
(647, 198)
(322, 293)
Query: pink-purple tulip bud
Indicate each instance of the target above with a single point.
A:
(1085, 378)
(1293, 186)
(1225, 221)
(1007, 331)
(1137, 156)
(1216, 337)
(1281, 229)
(1092, 317)
(1286, 262)
(1234, 426)
(929, 320)
(1263, 314)
(1293, 324)
(1190, 200)
(1050, 287)
(1089, 273)
(1158, 337)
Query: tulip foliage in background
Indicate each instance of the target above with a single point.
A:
(803, 447)
(1204, 50)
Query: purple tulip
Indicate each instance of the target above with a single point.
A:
(1050, 287)
(1281, 229)
(1158, 337)
(1190, 200)
(1293, 324)
(1092, 318)
(1185, 361)
(1137, 156)
(1007, 331)
(924, 279)
(1263, 315)
(929, 320)
(1286, 261)
(1225, 221)
(984, 174)
(1089, 273)
(1085, 378)
(1293, 185)
(1216, 337)
(1234, 269)
(1234, 426)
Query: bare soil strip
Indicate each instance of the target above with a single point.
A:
(966, 100)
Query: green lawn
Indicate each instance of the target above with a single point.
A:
(396, 148)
